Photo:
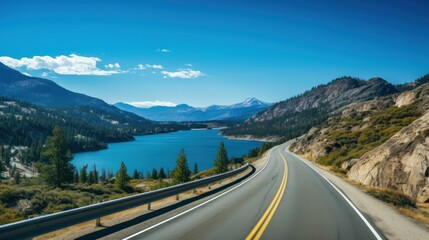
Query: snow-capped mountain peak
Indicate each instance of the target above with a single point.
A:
(250, 102)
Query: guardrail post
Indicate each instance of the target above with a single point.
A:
(177, 197)
(210, 187)
(148, 206)
(97, 222)
(194, 191)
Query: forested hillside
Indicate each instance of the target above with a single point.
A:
(24, 124)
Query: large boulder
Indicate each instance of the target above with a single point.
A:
(401, 163)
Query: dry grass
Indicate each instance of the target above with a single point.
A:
(420, 213)
(251, 160)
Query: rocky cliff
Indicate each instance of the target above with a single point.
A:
(402, 162)
(382, 142)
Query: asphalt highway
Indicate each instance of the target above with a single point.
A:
(286, 199)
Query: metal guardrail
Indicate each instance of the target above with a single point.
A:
(48, 223)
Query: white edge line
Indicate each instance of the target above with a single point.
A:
(201, 204)
(347, 200)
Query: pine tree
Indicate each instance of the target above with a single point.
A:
(91, 177)
(1, 152)
(17, 177)
(76, 176)
(181, 172)
(2, 168)
(83, 175)
(6, 156)
(195, 169)
(95, 174)
(121, 178)
(154, 174)
(2, 165)
(161, 174)
(60, 169)
(136, 174)
(221, 161)
(103, 176)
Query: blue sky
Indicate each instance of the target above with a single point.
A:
(212, 53)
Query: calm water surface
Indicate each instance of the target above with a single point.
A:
(161, 150)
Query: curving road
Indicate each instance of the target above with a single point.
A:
(286, 199)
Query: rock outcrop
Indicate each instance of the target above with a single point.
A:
(401, 163)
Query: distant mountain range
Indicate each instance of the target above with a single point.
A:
(184, 112)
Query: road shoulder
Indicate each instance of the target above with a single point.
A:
(387, 219)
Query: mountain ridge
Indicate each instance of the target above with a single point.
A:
(185, 112)
(42, 92)
(102, 123)
(295, 116)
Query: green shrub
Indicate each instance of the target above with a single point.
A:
(10, 215)
(38, 204)
(345, 144)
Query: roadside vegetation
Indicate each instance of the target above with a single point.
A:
(358, 134)
(60, 186)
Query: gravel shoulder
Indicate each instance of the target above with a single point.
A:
(389, 220)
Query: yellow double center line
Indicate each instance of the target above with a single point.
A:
(262, 224)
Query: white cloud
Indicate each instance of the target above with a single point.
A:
(113, 66)
(45, 74)
(183, 73)
(163, 50)
(188, 65)
(26, 74)
(148, 104)
(67, 65)
(155, 66)
(140, 67)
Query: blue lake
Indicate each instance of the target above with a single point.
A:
(161, 150)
